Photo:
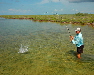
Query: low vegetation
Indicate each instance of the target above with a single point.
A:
(78, 18)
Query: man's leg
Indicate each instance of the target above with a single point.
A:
(79, 51)
(79, 55)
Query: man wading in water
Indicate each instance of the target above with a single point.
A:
(78, 40)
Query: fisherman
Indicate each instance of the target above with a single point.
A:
(78, 40)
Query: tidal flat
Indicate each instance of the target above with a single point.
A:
(49, 49)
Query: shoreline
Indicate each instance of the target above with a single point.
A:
(64, 19)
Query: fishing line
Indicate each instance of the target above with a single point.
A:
(68, 30)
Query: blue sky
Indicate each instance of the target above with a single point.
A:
(45, 7)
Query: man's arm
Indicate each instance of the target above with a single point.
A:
(76, 41)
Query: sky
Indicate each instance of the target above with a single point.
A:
(45, 7)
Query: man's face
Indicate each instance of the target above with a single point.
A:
(77, 32)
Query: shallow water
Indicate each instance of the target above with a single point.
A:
(49, 49)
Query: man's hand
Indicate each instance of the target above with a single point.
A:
(71, 38)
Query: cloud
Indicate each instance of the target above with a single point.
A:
(10, 2)
(64, 1)
(87, 11)
(55, 0)
(2, 11)
(79, 1)
(19, 10)
(74, 10)
(58, 10)
(47, 1)
(44, 1)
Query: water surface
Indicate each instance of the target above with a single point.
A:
(50, 51)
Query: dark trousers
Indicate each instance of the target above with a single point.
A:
(80, 49)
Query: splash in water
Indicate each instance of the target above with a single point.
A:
(23, 49)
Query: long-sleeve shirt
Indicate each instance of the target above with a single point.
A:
(78, 40)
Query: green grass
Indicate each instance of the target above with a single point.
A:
(68, 18)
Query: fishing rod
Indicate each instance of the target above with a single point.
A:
(68, 30)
